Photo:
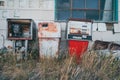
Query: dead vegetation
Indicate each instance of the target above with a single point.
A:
(92, 66)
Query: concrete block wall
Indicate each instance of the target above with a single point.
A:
(43, 12)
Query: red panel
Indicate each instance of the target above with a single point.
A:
(77, 48)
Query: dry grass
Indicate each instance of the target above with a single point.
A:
(91, 67)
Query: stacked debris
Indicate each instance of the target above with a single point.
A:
(107, 48)
(102, 45)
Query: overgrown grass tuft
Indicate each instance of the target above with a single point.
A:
(92, 66)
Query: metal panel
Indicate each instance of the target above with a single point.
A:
(77, 48)
(79, 30)
(48, 47)
(48, 34)
(49, 29)
(20, 29)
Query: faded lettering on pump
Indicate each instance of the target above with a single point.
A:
(80, 30)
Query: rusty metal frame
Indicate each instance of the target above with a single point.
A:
(20, 21)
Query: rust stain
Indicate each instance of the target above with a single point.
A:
(47, 29)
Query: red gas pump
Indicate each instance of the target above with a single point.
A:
(79, 32)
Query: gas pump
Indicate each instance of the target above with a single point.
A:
(79, 32)
(20, 32)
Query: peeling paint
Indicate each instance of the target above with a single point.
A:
(48, 47)
(48, 34)
(48, 29)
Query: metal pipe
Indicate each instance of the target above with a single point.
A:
(3, 40)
